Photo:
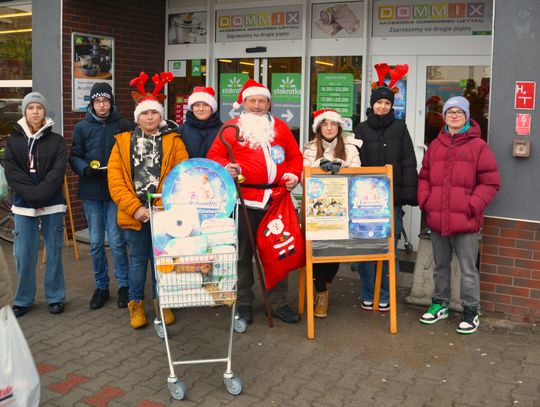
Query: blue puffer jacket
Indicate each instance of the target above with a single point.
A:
(197, 135)
(93, 139)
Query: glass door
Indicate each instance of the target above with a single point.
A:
(187, 74)
(281, 75)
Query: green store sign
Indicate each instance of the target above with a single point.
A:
(230, 85)
(335, 91)
(286, 88)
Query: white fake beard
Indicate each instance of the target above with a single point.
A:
(255, 130)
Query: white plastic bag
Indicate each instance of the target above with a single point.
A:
(19, 379)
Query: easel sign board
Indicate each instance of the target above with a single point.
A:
(349, 217)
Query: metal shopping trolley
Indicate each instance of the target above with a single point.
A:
(189, 280)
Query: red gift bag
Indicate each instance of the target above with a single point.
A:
(280, 241)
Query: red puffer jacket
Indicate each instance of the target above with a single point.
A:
(458, 179)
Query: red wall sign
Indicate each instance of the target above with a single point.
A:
(524, 98)
(523, 124)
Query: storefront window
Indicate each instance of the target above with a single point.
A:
(187, 75)
(444, 82)
(336, 83)
(16, 65)
(16, 42)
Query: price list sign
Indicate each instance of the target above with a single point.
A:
(335, 91)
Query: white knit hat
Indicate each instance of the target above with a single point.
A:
(325, 114)
(203, 94)
(251, 88)
(148, 104)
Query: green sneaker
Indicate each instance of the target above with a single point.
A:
(435, 313)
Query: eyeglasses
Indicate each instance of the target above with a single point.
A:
(102, 102)
(457, 113)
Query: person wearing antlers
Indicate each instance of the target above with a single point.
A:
(139, 162)
(266, 154)
(386, 140)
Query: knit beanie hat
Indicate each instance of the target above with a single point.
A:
(101, 89)
(33, 97)
(251, 88)
(458, 102)
(325, 114)
(203, 94)
(149, 101)
(382, 92)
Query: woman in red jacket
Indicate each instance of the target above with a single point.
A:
(458, 179)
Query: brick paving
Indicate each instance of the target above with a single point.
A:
(93, 358)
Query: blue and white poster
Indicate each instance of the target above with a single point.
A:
(370, 211)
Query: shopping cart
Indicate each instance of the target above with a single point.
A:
(196, 280)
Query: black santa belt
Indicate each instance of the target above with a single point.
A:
(259, 186)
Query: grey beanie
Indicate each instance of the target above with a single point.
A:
(458, 102)
(33, 97)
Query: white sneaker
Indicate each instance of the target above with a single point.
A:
(469, 324)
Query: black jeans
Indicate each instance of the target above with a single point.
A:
(324, 273)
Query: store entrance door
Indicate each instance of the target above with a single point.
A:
(429, 83)
(283, 76)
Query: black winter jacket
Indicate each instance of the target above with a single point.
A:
(386, 140)
(93, 139)
(45, 188)
(197, 135)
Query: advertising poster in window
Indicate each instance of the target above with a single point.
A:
(396, 18)
(327, 208)
(92, 61)
(337, 20)
(370, 212)
(187, 28)
(335, 91)
(259, 24)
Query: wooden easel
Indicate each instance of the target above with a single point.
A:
(306, 274)
(71, 223)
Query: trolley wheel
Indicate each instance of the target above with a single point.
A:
(239, 325)
(178, 390)
(409, 248)
(234, 385)
(160, 331)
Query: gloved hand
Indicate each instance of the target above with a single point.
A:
(91, 172)
(335, 166)
(325, 165)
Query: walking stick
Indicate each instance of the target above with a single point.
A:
(237, 182)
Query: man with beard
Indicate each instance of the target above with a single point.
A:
(265, 155)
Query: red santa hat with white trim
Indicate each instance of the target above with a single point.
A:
(149, 100)
(325, 114)
(203, 94)
(251, 88)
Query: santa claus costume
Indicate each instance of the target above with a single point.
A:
(267, 153)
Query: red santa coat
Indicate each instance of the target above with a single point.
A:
(263, 166)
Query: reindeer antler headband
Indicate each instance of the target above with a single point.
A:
(395, 75)
(149, 100)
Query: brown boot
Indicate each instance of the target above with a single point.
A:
(321, 304)
(137, 317)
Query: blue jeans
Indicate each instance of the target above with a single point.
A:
(368, 269)
(25, 250)
(140, 253)
(101, 217)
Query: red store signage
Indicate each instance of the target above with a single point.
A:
(524, 97)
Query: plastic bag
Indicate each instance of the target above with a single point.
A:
(280, 241)
(19, 379)
(3, 184)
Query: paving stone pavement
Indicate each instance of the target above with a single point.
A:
(94, 358)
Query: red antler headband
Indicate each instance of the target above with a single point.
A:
(395, 75)
(149, 100)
